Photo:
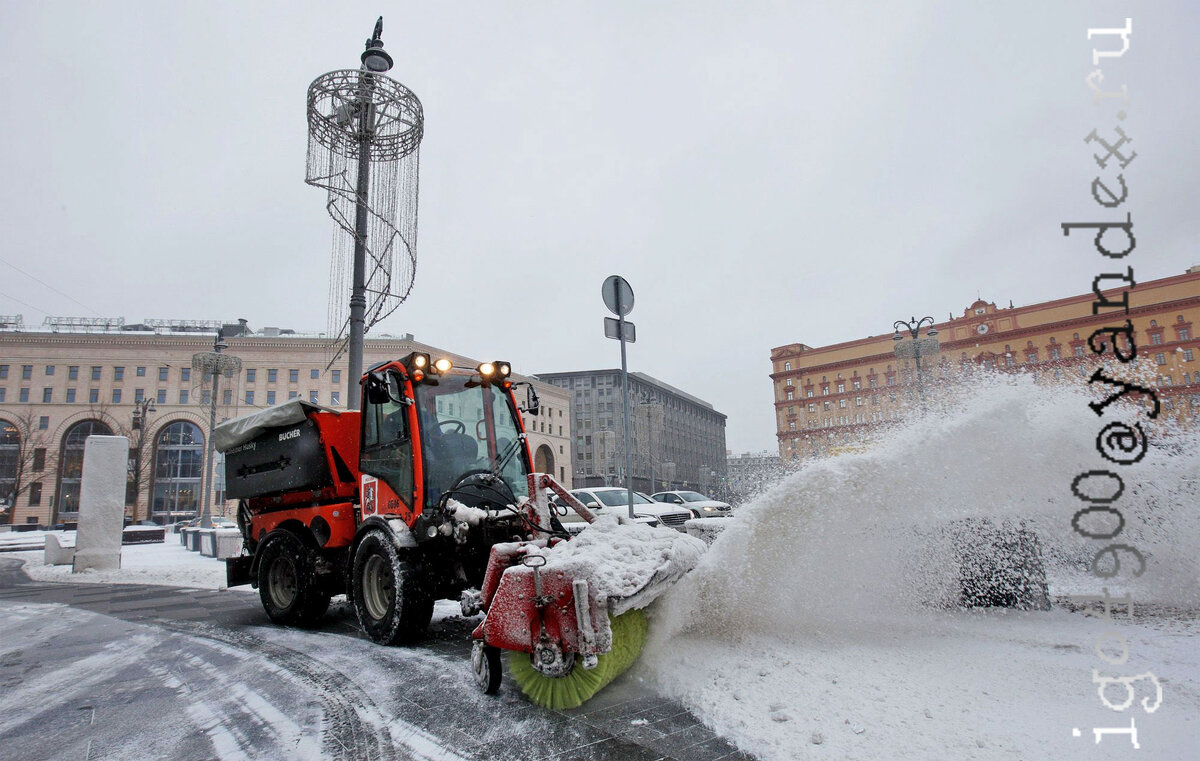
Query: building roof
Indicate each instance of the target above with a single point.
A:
(643, 377)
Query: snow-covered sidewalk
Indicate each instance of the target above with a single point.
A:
(168, 564)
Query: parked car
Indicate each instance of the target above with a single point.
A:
(614, 500)
(699, 505)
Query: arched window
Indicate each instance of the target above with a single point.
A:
(178, 472)
(71, 470)
(10, 454)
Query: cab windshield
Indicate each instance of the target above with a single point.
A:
(465, 430)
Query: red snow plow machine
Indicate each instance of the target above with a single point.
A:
(426, 493)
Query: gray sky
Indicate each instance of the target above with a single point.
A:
(762, 173)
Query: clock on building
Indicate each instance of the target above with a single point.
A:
(981, 328)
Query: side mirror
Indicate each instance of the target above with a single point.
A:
(377, 388)
(592, 505)
(532, 403)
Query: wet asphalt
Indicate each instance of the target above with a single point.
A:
(126, 671)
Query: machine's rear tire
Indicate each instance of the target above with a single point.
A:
(288, 585)
(485, 665)
(389, 597)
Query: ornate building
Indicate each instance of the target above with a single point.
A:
(72, 378)
(831, 396)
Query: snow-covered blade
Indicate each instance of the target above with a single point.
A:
(628, 564)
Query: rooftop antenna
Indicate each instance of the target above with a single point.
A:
(364, 140)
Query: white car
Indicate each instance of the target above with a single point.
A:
(699, 505)
(614, 500)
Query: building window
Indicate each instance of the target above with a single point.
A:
(26, 372)
(39, 459)
(790, 395)
(139, 395)
(3, 372)
(71, 467)
(249, 397)
(335, 398)
(72, 372)
(185, 374)
(43, 422)
(812, 407)
(116, 396)
(47, 395)
(70, 396)
(23, 396)
(183, 396)
(250, 373)
(272, 375)
(206, 397)
(227, 397)
(787, 366)
(826, 406)
(94, 396)
(293, 376)
(314, 374)
(857, 384)
(35, 493)
(809, 393)
(141, 372)
(1156, 339)
(841, 388)
(1160, 359)
(825, 391)
(270, 398)
(49, 369)
(1078, 351)
(95, 372)
(161, 397)
(314, 397)
(337, 376)
(118, 373)
(858, 402)
(842, 403)
(162, 374)
(1187, 355)
(178, 469)
(1184, 334)
(293, 394)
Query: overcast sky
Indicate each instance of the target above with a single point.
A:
(762, 173)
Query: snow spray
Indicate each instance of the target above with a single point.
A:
(857, 540)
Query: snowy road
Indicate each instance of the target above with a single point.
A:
(137, 672)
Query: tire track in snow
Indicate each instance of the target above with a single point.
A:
(354, 729)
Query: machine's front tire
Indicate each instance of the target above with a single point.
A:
(389, 598)
(288, 586)
(485, 665)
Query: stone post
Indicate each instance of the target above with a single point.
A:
(101, 503)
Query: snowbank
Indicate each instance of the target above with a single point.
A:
(168, 564)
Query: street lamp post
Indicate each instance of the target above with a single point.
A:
(913, 348)
(141, 423)
(216, 364)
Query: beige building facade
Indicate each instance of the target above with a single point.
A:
(64, 381)
(832, 396)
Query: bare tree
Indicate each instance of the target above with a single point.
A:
(26, 452)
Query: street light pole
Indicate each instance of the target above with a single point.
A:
(914, 328)
(374, 61)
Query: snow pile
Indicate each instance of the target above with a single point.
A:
(168, 564)
(620, 560)
(821, 610)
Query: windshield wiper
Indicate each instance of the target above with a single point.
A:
(507, 455)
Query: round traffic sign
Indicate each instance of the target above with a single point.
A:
(617, 295)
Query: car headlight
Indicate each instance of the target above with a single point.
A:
(709, 509)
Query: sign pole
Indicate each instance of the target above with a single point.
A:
(625, 405)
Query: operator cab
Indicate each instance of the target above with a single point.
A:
(468, 443)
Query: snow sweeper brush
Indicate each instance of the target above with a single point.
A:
(570, 612)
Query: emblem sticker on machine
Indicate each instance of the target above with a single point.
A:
(368, 495)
